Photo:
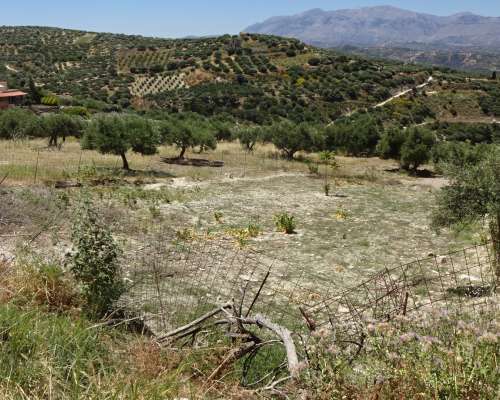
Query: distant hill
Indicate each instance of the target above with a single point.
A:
(384, 26)
(463, 35)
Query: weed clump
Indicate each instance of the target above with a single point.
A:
(285, 223)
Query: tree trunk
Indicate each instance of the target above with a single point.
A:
(53, 141)
(289, 154)
(125, 162)
(183, 151)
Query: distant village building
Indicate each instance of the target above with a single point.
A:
(10, 97)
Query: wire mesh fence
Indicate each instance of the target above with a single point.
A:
(174, 281)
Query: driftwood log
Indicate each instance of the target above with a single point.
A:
(193, 162)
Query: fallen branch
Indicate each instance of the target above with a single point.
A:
(193, 324)
(194, 162)
(258, 293)
(286, 337)
(113, 323)
(273, 385)
(67, 184)
(261, 321)
(311, 324)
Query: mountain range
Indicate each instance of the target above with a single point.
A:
(384, 26)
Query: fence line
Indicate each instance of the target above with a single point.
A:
(176, 281)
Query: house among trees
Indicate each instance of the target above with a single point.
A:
(10, 97)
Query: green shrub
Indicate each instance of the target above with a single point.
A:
(313, 168)
(17, 123)
(95, 260)
(314, 61)
(253, 230)
(285, 223)
(458, 153)
(77, 111)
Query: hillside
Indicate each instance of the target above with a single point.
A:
(256, 78)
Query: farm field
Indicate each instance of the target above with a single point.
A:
(204, 231)
(371, 220)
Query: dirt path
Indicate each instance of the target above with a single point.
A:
(12, 69)
(187, 183)
(396, 96)
(404, 92)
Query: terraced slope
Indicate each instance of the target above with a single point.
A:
(255, 78)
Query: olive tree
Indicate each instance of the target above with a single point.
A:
(291, 138)
(116, 134)
(416, 150)
(61, 125)
(390, 144)
(187, 131)
(17, 123)
(248, 136)
(473, 195)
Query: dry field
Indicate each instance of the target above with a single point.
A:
(371, 220)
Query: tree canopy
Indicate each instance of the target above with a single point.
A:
(291, 138)
(416, 149)
(61, 125)
(248, 136)
(187, 131)
(115, 134)
(473, 195)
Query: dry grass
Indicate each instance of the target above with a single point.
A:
(29, 162)
(38, 285)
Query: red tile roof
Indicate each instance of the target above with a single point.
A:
(13, 93)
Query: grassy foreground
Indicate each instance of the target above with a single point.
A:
(49, 350)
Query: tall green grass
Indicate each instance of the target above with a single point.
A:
(43, 353)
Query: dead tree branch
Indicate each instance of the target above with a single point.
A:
(193, 324)
(286, 337)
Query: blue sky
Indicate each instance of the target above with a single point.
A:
(169, 18)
